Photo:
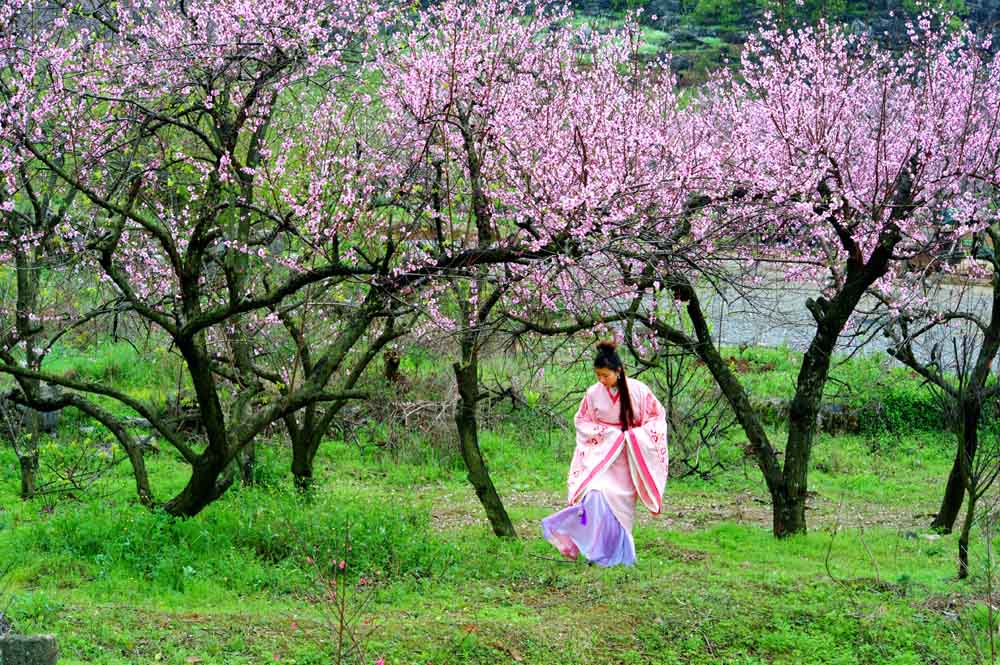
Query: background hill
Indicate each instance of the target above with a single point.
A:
(700, 34)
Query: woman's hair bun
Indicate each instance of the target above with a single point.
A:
(607, 357)
(607, 345)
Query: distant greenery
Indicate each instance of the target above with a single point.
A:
(726, 20)
(628, 5)
(732, 12)
(886, 397)
(716, 12)
(957, 7)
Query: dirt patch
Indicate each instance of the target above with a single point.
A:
(747, 366)
(670, 552)
(949, 605)
(687, 512)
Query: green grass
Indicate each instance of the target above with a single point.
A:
(868, 584)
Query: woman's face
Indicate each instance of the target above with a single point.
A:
(607, 377)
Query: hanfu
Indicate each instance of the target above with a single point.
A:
(610, 470)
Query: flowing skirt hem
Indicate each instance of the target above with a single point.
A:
(590, 528)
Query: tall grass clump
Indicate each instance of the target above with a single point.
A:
(253, 539)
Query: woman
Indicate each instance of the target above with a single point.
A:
(621, 455)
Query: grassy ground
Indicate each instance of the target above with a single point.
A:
(426, 582)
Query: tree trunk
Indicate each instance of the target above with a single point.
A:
(302, 476)
(954, 497)
(248, 463)
(209, 478)
(971, 408)
(789, 513)
(306, 432)
(28, 461)
(963, 539)
(760, 446)
(392, 362)
(28, 276)
(142, 487)
(128, 443)
(474, 319)
(132, 450)
(207, 483)
(306, 440)
(305, 444)
(245, 459)
(954, 492)
(467, 377)
(830, 321)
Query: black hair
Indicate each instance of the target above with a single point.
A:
(607, 358)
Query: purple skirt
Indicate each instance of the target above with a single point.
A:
(591, 529)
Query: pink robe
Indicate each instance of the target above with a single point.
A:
(623, 466)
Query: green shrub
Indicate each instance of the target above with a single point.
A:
(251, 539)
(902, 408)
(710, 12)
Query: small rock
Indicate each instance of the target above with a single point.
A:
(29, 650)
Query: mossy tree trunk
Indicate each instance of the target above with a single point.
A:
(467, 379)
(964, 395)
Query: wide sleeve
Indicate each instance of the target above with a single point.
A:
(654, 421)
(647, 450)
(597, 445)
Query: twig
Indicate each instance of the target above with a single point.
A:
(829, 547)
(864, 543)
(549, 558)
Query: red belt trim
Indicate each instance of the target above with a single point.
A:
(617, 423)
